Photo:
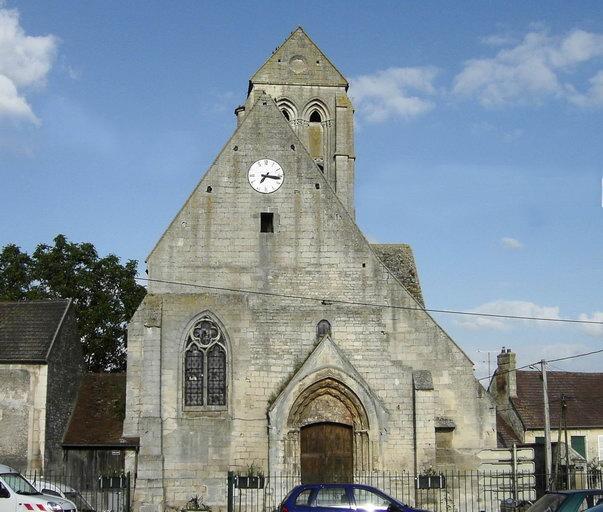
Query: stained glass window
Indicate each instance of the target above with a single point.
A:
(205, 365)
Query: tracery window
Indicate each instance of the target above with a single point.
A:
(205, 365)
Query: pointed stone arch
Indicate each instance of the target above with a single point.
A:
(339, 405)
(288, 108)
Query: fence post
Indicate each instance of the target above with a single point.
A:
(231, 481)
(128, 481)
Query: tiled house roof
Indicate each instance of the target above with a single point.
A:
(98, 418)
(505, 435)
(29, 328)
(583, 392)
(400, 261)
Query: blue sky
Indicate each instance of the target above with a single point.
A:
(478, 138)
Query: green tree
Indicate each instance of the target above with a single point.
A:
(105, 293)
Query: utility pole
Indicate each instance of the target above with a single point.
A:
(547, 427)
(567, 448)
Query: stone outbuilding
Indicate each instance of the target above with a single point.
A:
(40, 369)
(273, 334)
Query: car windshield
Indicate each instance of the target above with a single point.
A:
(79, 500)
(548, 503)
(18, 484)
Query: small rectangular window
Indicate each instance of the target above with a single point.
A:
(579, 444)
(266, 222)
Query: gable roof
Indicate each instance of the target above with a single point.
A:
(99, 413)
(400, 261)
(266, 121)
(28, 329)
(299, 61)
(583, 392)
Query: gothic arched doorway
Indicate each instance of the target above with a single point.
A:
(326, 453)
(328, 433)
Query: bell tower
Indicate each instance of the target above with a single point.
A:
(312, 95)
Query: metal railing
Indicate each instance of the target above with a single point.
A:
(90, 492)
(446, 491)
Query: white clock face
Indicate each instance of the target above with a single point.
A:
(265, 176)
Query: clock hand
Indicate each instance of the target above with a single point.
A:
(264, 176)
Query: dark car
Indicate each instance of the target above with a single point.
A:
(341, 498)
(568, 501)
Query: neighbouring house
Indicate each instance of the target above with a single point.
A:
(274, 335)
(41, 365)
(93, 443)
(520, 406)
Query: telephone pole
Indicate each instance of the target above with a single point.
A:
(547, 427)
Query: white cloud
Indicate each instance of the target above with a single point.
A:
(394, 92)
(11, 104)
(24, 63)
(595, 330)
(507, 307)
(498, 40)
(511, 243)
(536, 68)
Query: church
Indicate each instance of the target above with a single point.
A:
(275, 337)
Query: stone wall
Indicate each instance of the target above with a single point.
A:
(65, 366)
(23, 414)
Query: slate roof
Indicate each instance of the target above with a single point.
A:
(28, 329)
(584, 392)
(399, 259)
(98, 417)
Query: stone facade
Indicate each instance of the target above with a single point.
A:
(387, 372)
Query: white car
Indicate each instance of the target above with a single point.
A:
(66, 492)
(18, 495)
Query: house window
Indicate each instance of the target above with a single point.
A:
(205, 365)
(578, 443)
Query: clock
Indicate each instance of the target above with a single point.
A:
(265, 176)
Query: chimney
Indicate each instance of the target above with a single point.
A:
(506, 379)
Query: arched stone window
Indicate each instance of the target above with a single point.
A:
(323, 328)
(205, 371)
(315, 114)
(287, 108)
(315, 117)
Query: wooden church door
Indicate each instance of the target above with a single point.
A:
(326, 453)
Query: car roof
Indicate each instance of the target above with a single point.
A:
(56, 485)
(7, 469)
(578, 491)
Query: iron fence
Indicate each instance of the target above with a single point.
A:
(90, 492)
(446, 491)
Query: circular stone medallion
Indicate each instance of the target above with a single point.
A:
(298, 64)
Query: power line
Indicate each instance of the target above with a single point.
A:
(326, 301)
